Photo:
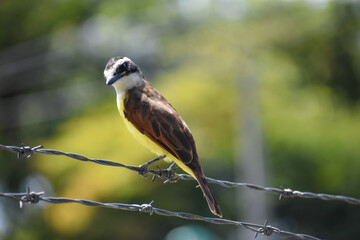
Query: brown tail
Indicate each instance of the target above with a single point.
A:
(208, 194)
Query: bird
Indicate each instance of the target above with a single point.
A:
(154, 122)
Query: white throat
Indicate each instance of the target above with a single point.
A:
(128, 82)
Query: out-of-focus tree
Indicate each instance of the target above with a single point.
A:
(194, 53)
(331, 56)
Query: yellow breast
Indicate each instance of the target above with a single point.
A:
(147, 142)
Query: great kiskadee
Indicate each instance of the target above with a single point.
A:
(154, 122)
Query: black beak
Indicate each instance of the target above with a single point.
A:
(113, 79)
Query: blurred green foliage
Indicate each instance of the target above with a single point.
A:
(304, 57)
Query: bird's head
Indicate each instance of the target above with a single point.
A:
(123, 74)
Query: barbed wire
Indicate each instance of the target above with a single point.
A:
(265, 229)
(169, 174)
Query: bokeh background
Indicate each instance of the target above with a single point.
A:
(270, 90)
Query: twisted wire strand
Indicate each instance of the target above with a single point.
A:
(282, 192)
(171, 176)
(267, 230)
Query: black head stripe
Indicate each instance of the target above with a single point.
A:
(112, 61)
(128, 67)
(123, 67)
(132, 67)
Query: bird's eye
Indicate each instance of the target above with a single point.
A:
(121, 68)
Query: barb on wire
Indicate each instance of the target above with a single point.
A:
(267, 230)
(169, 175)
(30, 197)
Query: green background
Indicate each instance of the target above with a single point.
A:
(297, 61)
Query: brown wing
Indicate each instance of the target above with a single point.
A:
(152, 115)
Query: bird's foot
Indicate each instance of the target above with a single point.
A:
(168, 174)
(143, 169)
